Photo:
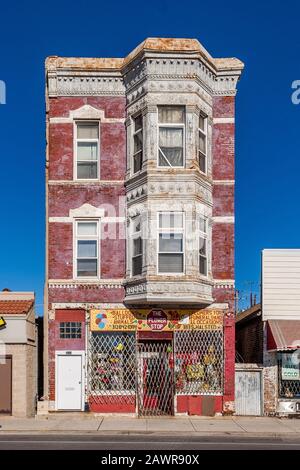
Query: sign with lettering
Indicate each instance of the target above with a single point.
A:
(155, 319)
(290, 369)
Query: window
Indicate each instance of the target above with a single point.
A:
(202, 146)
(138, 144)
(203, 246)
(70, 330)
(171, 136)
(87, 150)
(289, 374)
(87, 248)
(137, 247)
(170, 243)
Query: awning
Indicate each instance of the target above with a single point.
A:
(283, 335)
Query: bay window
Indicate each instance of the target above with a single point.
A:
(87, 249)
(171, 242)
(87, 150)
(138, 144)
(137, 248)
(202, 146)
(171, 125)
(203, 246)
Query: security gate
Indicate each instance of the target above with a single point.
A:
(155, 378)
(248, 393)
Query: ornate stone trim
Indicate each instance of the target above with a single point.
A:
(86, 210)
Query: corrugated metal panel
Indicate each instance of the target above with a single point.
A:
(281, 284)
(248, 393)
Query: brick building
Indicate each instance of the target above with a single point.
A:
(140, 231)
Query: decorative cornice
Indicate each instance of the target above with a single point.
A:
(85, 284)
(87, 210)
(224, 283)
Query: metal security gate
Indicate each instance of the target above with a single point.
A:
(155, 378)
(112, 369)
(248, 393)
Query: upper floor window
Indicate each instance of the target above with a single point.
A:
(203, 246)
(171, 121)
(87, 150)
(202, 147)
(87, 248)
(138, 144)
(137, 247)
(171, 242)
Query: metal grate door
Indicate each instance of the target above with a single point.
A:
(155, 378)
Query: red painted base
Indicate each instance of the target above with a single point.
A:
(194, 404)
(112, 404)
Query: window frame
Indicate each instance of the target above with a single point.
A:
(62, 329)
(77, 238)
(134, 134)
(171, 230)
(135, 235)
(204, 133)
(76, 140)
(173, 125)
(203, 235)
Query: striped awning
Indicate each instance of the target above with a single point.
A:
(283, 335)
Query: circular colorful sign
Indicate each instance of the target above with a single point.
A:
(101, 319)
(157, 320)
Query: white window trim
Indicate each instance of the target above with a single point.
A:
(87, 237)
(205, 134)
(171, 230)
(203, 235)
(134, 133)
(75, 140)
(134, 236)
(174, 125)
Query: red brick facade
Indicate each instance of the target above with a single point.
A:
(65, 195)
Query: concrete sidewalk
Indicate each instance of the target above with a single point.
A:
(66, 423)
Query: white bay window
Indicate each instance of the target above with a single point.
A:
(138, 143)
(202, 146)
(137, 247)
(171, 242)
(203, 246)
(171, 125)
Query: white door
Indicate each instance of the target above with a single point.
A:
(69, 382)
(248, 393)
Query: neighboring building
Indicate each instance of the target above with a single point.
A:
(139, 304)
(18, 354)
(269, 334)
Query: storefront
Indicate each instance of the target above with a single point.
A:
(283, 344)
(155, 361)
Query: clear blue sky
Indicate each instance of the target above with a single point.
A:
(264, 34)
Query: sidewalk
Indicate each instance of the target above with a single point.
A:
(104, 425)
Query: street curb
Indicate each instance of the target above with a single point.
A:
(246, 435)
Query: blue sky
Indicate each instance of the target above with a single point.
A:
(264, 34)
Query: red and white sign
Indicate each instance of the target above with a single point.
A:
(157, 320)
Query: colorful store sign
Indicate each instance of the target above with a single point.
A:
(155, 320)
